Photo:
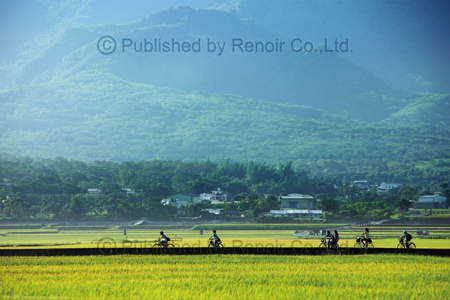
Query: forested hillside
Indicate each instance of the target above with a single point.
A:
(316, 108)
(95, 116)
(317, 78)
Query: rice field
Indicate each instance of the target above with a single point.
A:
(221, 276)
(226, 277)
(383, 237)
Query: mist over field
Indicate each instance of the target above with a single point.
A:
(336, 87)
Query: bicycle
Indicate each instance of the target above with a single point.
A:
(360, 243)
(163, 245)
(324, 243)
(333, 246)
(215, 246)
(401, 244)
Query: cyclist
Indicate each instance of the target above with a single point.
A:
(335, 238)
(215, 237)
(163, 239)
(330, 238)
(407, 238)
(366, 237)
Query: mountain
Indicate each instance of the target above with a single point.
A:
(154, 88)
(97, 116)
(319, 78)
(401, 42)
(426, 109)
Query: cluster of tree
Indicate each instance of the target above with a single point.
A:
(58, 188)
(366, 211)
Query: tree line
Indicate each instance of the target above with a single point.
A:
(57, 189)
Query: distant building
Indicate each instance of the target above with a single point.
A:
(296, 213)
(214, 211)
(97, 191)
(277, 213)
(129, 191)
(181, 200)
(316, 213)
(431, 202)
(298, 201)
(215, 197)
(225, 212)
(361, 184)
(231, 213)
(385, 187)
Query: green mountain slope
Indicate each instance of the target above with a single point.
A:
(324, 81)
(423, 109)
(96, 116)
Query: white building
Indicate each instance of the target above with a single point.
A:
(215, 197)
(214, 211)
(296, 213)
(385, 187)
(176, 202)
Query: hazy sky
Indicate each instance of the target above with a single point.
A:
(404, 42)
(23, 21)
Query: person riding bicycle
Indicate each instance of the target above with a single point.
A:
(407, 238)
(330, 238)
(335, 238)
(215, 237)
(366, 237)
(163, 239)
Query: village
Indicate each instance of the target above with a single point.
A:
(293, 205)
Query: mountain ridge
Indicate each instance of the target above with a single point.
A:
(401, 44)
(325, 81)
(112, 119)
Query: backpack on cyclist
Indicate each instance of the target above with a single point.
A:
(408, 236)
(168, 238)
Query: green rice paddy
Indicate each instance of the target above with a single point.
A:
(226, 277)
